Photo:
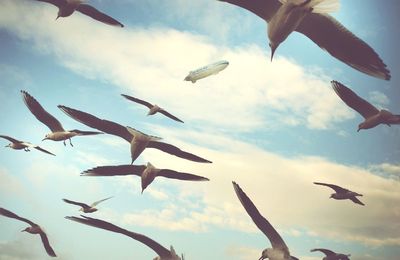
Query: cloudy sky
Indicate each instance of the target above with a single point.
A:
(274, 128)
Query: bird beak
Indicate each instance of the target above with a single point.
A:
(44, 139)
(358, 130)
(142, 191)
(23, 230)
(58, 16)
(261, 258)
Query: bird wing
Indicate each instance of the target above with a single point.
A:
(342, 44)
(332, 186)
(263, 8)
(162, 111)
(97, 15)
(12, 140)
(42, 150)
(100, 124)
(83, 205)
(145, 103)
(357, 201)
(354, 101)
(58, 3)
(262, 223)
(10, 214)
(94, 204)
(168, 148)
(327, 252)
(41, 114)
(180, 175)
(159, 249)
(115, 170)
(46, 245)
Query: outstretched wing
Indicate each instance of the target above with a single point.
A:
(145, 103)
(180, 175)
(46, 245)
(338, 189)
(162, 111)
(357, 201)
(168, 148)
(41, 114)
(97, 15)
(115, 170)
(58, 3)
(159, 249)
(265, 9)
(94, 204)
(323, 250)
(354, 101)
(42, 150)
(12, 140)
(9, 214)
(83, 205)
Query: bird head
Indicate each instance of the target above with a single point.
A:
(360, 126)
(81, 209)
(264, 254)
(46, 138)
(332, 196)
(273, 47)
(8, 145)
(25, 230)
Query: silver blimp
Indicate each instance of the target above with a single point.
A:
(206, 71)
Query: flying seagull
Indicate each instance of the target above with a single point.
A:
(279, 250)
(342, 193)
(67, 7)
(309, 18)
(58, 133)
(147, 173)
(85, 207)
(19, 145)
(163, 253)
(330, 255)
(33, 229)
(371, 114)
(138, 140)
(153, 108)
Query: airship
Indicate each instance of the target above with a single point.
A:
(206, 71)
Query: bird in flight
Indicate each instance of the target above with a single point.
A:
(58, 132)
(162, 252)
(68, 7)
(330, 255)
(33, 229)
(309, 17)
(279, 250)
(342, 193)
(85, 207)
(372, 115)
(153, 108)
(21, 145)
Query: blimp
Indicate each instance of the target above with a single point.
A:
(206, 71)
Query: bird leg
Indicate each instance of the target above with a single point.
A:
(70, 142)
(64, 143)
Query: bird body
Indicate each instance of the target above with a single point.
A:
(342, 193)
(19, 145)
(139, 142)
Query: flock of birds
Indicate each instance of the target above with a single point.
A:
(308, 17)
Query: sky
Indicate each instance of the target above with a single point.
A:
(272, 127)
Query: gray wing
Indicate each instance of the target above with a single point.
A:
(262, 223)
(342, 44)
(159, 249)
(168, 148)
(58, 3)
(357, 201)
(12, 140)
(97, 15)
(41, 114)
(338, 189)
(9, 214)
(180, 175)
(115, 170)
(83, 205)
(100, 124)
(263, 8)
(43, 150)
(325, 251)
(354, 101)
(94, 204)
(162, 111)
(46, 245)
(145, 103)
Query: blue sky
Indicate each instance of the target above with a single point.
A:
(272, 127)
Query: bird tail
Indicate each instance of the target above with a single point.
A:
(79, 132)
(318, 6)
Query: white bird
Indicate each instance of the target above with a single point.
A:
(68, 7)
(279, 250)
(33, 229)
(371, 114)
(342, 193)
(153, 108)
(85, 207)
(205, 71)
(19, 145)
(58, 132)
(309, 18)
(138, 140)
(147, 173)
(162, 252)
(330, 255)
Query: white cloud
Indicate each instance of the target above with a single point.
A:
(379, 99)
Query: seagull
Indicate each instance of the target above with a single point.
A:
(85, 207)
(330, 255)
(33, 229)
(279, 250)
(371, 114)
(19, 145)
(138, 140)
(147, 173)
(342, 193)
(309, 18)
(163, 253)
(67, 7)
(153, 108)
(58, 133)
